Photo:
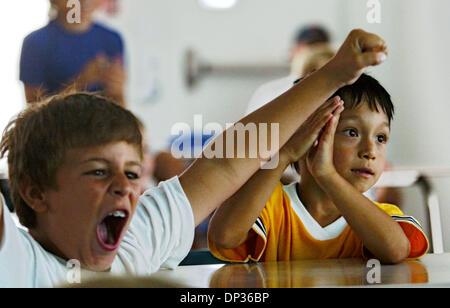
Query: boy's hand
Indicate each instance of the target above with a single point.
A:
(319, 159)
(309, 132)
(360, 50)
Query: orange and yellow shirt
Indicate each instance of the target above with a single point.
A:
(286, 231)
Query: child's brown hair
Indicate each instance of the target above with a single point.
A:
(36, 141)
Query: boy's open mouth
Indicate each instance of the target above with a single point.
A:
(109, 231)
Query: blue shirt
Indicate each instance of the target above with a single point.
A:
(52, 57)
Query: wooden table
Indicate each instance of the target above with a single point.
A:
(433, 270)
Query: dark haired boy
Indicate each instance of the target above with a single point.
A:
(325, 215)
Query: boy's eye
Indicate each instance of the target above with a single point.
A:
(351, 132)
(97, 172)
(132, 175)
(381, 138)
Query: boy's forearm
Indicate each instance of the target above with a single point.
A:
(222, 177)
(233, 220)
(380, 234)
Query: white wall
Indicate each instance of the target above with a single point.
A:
(255, 31)
(17, 19)
(417, 76)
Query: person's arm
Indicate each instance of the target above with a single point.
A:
(91, 73)
(232, 221)
(379, 233)
(115, 80)
(231, 224)
(209, 182)
(34, 94)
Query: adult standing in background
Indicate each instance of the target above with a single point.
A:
(308, 41)
(84, 56)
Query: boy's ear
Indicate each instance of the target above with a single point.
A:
(33, 196)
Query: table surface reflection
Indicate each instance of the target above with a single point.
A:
(431, 270)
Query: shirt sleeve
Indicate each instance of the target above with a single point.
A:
(119, 47)
(252, 249)
(161, 232)
(255, 245)
(113, 43)
(33, 62)
(15, 266)
(416, 236)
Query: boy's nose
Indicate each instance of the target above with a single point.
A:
(368, 151)
(121, 186)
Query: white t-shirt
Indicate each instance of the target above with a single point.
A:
(318, 232)
(160, 234)
(269, 91)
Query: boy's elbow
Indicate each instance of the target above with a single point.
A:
(398, 254)
(223, 239)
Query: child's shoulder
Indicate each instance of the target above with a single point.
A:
(281, 196)
(106, 31)
(40, 37)
(278, 193)
(390, 209)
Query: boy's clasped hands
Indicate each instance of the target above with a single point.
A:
(313, 141)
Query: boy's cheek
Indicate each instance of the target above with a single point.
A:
(341, 155)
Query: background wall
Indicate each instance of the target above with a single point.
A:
(158, 34)
(17, 19)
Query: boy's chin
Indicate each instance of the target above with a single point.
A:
(104, 267)
(362, 187)
(101, 264)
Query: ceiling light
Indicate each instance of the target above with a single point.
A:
(217, 4)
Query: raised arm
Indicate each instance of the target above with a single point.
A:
(209, 182)
(232, 221)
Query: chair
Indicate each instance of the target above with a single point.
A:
(4, 189)
(421, 177)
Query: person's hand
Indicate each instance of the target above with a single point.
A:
(319, 159)
(360, 50)
(94, 71)
(114, 78)
(308, 133)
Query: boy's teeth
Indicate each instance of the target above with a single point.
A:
(120, 214)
